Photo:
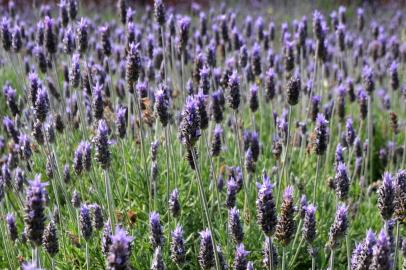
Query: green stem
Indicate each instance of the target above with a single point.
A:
(316, 180)
(109, 198)
(395, 260)
(283, 258)
(332, 260)
(206, 209)
(87, 256)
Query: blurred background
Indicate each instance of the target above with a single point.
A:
(320, 3)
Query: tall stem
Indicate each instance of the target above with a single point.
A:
(283, 258)
(109, 197)
(270, 253)
(205, 207)
(313, 263)
(285, 155)
(168, 165)
(144, 157)
(125, 166)
(332, 260)
(395, 260)
(37, 256)
(87, 256)
(316, 179)
(370, 138)
(348, 247)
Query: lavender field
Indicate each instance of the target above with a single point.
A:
(202, 136)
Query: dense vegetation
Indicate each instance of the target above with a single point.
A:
(235, 137)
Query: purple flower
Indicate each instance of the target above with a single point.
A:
(12, 227)
(350, 134)
(178, 249)
(6, 34)
(103, 155)
(174, 204)
(270, 84)
(50, 240)
(394, 75)
(235, 225)
(315, 107)
(158, 261)
(342, 181)
(11, 98)
(184, 25)
(86, 222)
(204, 84)
(400, 194)
(78, 159)
(309, 224)
(286, 226)
(206, 252)
(234, 90)
(31, 266)
(87, 155)
(339, 154)
(362, 255)
(339, 227)
(321, 135)
(157, 238)
(25, 146)
(133, 65)
(360, 19)
(240, 259)
(386, 194)
(256, 59)
(253, 101)
(216, 141)
(98, 102)
(121, 121)
(189, 128)
(162, 106)
(382, 253)
(232, 189)
(41, 107)
(201, 107)
(10, 127)
(120, 250)
(217, 106)
(266, 209)
(51, 41)
(35, 210)
(368, 79)
(82, 34)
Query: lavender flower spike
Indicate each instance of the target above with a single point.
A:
(339, 228)
(286, 227)
(35, 210)
(309, 225)
(235, 225)
(189, 129)
(240, 259)
(266, 209)
(206, 253)
(12, 228)
(342, 181)
(386, 196)
(178, 250)
(119, 252)
(103, 155)
(157, 238)
(382, 258)
(321, 135)
(86, 222)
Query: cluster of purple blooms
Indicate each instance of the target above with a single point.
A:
(331, 89)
